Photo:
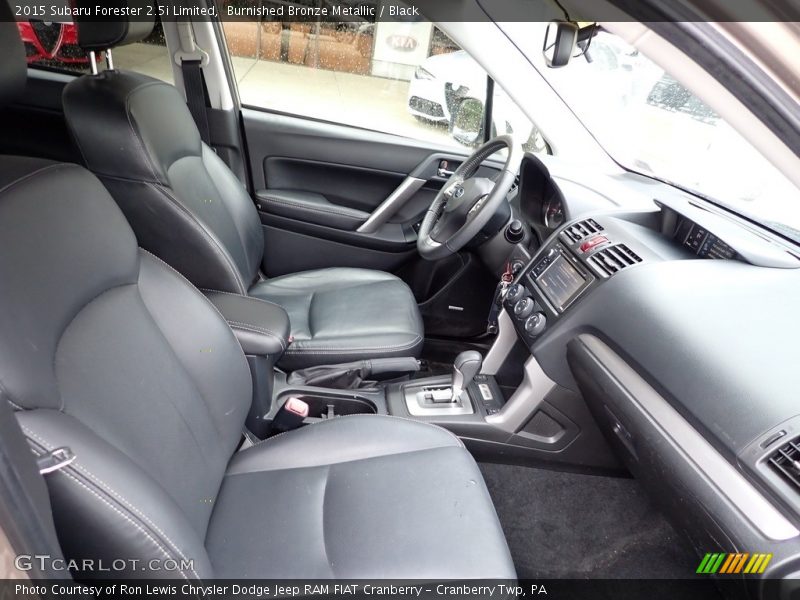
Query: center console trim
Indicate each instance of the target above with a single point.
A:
(526, 400)
(502, 346)
(415, 409)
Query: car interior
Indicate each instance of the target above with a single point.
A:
(275, 347)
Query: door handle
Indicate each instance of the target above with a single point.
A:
(443, 171)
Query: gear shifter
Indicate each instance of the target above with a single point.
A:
(465, 367)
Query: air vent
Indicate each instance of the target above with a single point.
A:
(786, 461)
(614, 258)
(583, 229)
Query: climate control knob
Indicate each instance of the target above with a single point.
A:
(523, 308)
(515, 293)
(535, 324)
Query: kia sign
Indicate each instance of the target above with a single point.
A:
(402, 43)
(400, 47)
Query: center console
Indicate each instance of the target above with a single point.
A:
(501, 404)
(567, 268)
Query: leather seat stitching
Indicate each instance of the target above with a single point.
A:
(36, 173)
(66, 471)
(136, 135)
(188, 283)
(190, 218)
(69, 324)
(108, 489)
(399, 418)
(294, 467)
(9, 397)
(244, 327)
(329, 350)
(127, 518)
(434, 425)
(242, 296)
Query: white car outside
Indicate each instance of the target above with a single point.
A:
(451, 89)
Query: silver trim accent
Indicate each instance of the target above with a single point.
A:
(416, 409)
(388, 207)
(55, 460)
(503, 343)
(695, 448)
(525, 401)
(93, 62)
(458, 384)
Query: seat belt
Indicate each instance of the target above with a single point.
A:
(197, 96)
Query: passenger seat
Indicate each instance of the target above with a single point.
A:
(107, 351)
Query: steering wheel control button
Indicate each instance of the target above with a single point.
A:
(591, 244)
(523, 308)
(535, 324)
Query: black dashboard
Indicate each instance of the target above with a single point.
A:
(678, 326)
(541, 200)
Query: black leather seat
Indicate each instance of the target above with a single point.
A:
(186, 207)
(106, 350)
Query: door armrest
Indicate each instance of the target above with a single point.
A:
(311, 208)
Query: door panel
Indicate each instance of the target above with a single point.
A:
(345, 185)
(317, 183)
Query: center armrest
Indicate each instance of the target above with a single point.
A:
(261, 327)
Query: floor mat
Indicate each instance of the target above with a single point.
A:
(565, 525)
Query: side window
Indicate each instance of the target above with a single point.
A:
(404, 78)
(54, 45)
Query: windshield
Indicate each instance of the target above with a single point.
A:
(650, 123)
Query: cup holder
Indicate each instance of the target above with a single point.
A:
(322, 406)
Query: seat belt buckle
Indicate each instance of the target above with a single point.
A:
(291, 415)
(55, 460)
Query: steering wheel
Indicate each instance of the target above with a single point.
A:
(466, 203)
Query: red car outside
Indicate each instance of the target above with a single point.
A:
(46, 41)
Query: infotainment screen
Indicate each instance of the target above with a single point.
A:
(560, 282)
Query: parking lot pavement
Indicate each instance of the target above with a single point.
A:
(360, 100)
(148, 59)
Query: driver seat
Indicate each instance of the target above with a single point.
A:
(186, 207)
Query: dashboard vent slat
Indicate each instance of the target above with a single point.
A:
(786, 462)
(583, 229)
(614, 258)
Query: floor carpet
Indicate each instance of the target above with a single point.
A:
(565, 525)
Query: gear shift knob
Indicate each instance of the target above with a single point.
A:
(465, 367)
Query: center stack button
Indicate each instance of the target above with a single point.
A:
(523, 308)
(515, 293)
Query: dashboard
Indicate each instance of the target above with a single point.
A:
(541, 200)
(676, 323)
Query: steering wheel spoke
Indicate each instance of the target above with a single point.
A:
(465, 203)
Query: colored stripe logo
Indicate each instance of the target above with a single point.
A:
(730, 563)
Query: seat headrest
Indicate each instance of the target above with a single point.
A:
(13, 68)
(102, 33)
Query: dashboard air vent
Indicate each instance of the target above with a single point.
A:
(583, 229)
(614, 258)
(786, 461)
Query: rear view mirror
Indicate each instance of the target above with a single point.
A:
(560, 40)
